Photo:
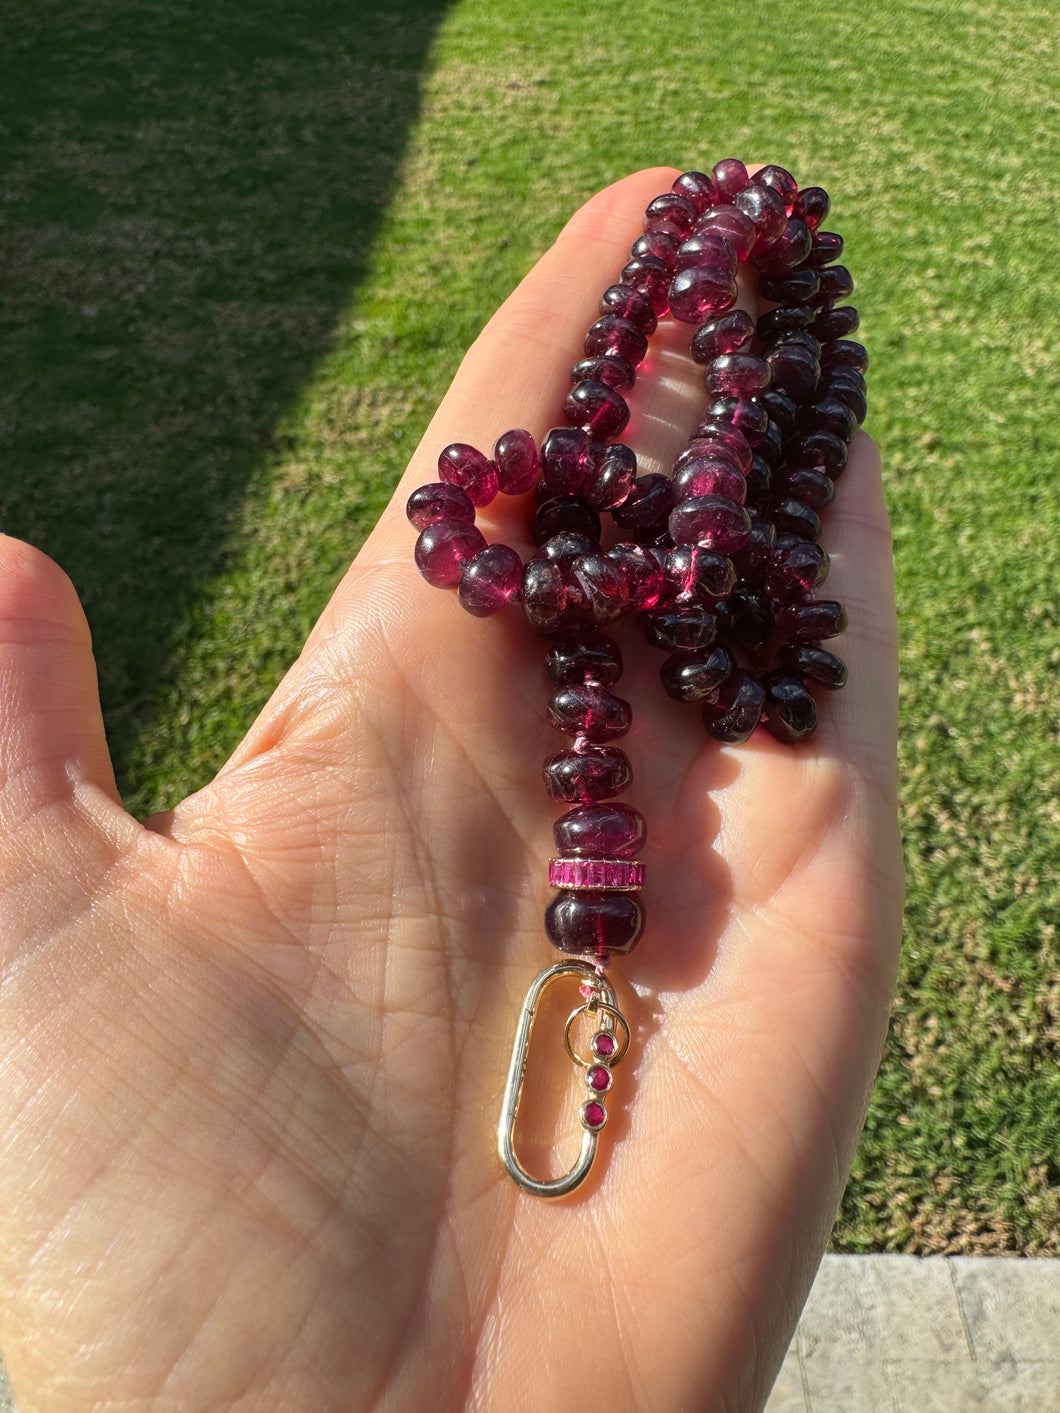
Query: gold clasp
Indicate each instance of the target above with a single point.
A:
(606, 1049)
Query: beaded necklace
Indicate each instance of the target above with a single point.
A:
(720, 560)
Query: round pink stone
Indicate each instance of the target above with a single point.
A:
(603, 1044)
(598, 1077)
(594, 1115)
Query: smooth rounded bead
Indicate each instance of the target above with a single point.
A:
(731, 437)
(712, 449)
(694, 574)
(751, 562)
(737, 228)
(822, 449)
(813, 486)
(691, 677)
(687, 629)
(846, 385)
(767, 211)
(736, 375)
(590, 711)
(813, 205)
(759, 482)
(651, 275)
(730, 176)
(673, 214)
(601, 586)
(794, 517)
(605, 368)
(612, 334)
(566, 546)
(846, 353)
(641, 572)
(770, 445)
(601, 831)
(566, 459)
(699, 189)
(827, 246)
(632, 304)
(744, 414)
(795, 571)
(811, 622)
(785, 320)
(733, 709)
(579, 777)
(807, 660)
(728, 333)
(797, 338)
(584, 655)
(518, 462)
(612, 478)
(781, 409)
(792, 287)
(745, 619)
(658, 244)
(788, 250)
(561, 513)
(836, 283)
(442, 549)
(828, 414)
(699, 291)
(440, 501)
(793, 371)
(706, 476)
(648, 504)
(597, 924)
(465, 466)
(597, 409)
(790, 712)
(544, 595)
(836, 323)
(782, 182)
(490, 580)
(711, 248)
(714, 521)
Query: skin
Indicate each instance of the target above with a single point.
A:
(254, 1049)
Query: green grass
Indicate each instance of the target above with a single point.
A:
(245, 249)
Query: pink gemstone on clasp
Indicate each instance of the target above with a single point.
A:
(594, 1115)
(608, 875)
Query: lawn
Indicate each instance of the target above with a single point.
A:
(244, 249)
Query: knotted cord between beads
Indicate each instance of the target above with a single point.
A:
(720, 560)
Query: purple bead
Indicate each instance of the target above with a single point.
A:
(632, 304)
(745, 619)
(827, 246)
(701, 291)
(597, 409)
(792, 287)
(612, 478)
(794, 517)
(730, 176)
(822, 449)
(781, 409)
(708, 449)
(544, 595)
(794, 371)
(566, 546)
(605, 368)
(566, 459)
(790, 712)
(788, 250)
(753, 559)
(782, 182)
(784, 320)
(847, 385)
(742, 413)
(694, 574)
(714, 521)
(648, 504)
(758, 483)
(652, 276)
(832, 324)
(561, 513)
(807, 660)
(729, 436)
(770, 445)
(641, 572)
(579, 777)
(517, 461)
(692, 677)
(699, 189)
(440, 501)
(846, 353)
(811, 622)
(767, 212)
(465, 466)
(704, 476)
(795, 571)
(490, 580)
(736, 375)
(836, 283)
(672, 214)
(732, 711)
(612, 334)
(798, 338)
(690, 628)
(728, 333)
(657, 244)
(828, 414)
(590, 711)
(600, 585)
(442, 549)
(737, 228)
(813, 205)
(581, 656)
(601, 831)
(712, 248)
(808, 484)
(598, 924)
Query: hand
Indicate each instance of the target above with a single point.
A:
(255, 1048)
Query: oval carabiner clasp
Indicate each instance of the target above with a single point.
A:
(606, 1049)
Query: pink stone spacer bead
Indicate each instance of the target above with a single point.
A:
(613, 875)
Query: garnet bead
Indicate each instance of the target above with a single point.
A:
(578, 777)
(705, 476)
(611, 479)
(685, 629)
(810, 622)
(795, 571)
(782, 182)
(732, 711)
(827, 246)
(699, 291)
(699, 189)
(791, 287)
(605, 368)
(641, 572)
(813, 205)
(767, 212)
(597, 409)
(672, 214)
(691, 677)
(632, 304)
(518, 463)
(648, 503)
(603, 830)
(612, 334)
(601, 586)
(440, 501)
(736, 375)
(465, 466)
(714, 521)
(565, 513)
(737, 228)
(590, 711)
(442, 549)
(584, 655)
(730, 176)
(712, 248)
(657, 244)
(790, 712)
(728, 333)
(490, 580)
(794, 517)
(835, 323)
(566, 458)
(599, 924)
(694, 573)
(544, 595)
(651, 275)
(807, 660)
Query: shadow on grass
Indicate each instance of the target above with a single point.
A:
(192, 192)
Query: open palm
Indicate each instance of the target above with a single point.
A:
(255, 1048)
